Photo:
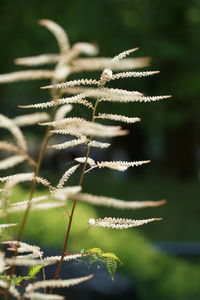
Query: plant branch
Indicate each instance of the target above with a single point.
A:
(64, 250)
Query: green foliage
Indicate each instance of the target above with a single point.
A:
(111, 266)
(33, 271)
(108, 259)
(13, 280)
(16, 280)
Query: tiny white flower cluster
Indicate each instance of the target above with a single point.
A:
(115, 203)
(119, 223)
(115, 165)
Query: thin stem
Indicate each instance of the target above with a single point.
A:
(64, 250)
(33, 185)
(57, 272)
(36, 171)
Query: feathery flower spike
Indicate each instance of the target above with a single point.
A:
(85, 127)
(55, 283)
(85, 48)
(26, 75)
(40, 206)
(37, 60)
(11, 161)
(31, 119)
(153, 98)
(9, 147)
(119, 223)
(116, 203)
(41, 296)
(12, 180)
(54, 259)
(69, 100)
(66, 176)
(59, 34)
(33, 200)
(104, 93)
(14, 130)
(90, 161)
(97, 144)
(100, 63)
(64, 122)
(64, 193)
(62, 111)
(133, 74)
(26, 261)
(80, 48)
(124, 54)
(69, 144)
(72, 83)
(67, 132)
(98, 132)
(118, 118)
(121, 165)
(24, 247)
(18, 177)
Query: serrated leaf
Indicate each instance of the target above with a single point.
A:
(13, 279)
(110, 260)
(111, 266)
(33, 271)
(94, 258)
(94, 250)
(19, 279)
(111, 256)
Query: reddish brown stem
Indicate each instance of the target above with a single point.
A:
(64, 250)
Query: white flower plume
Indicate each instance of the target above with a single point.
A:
(119, 223)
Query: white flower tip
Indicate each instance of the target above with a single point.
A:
(46, 87)
(87, 48)
(91, 222)
(43, 22)
(162, 202)
(107, 74)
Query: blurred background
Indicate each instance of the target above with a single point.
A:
(168, 32)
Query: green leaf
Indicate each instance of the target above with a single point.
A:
(111, 266)
(18, 279)
(111, 256)
(94, 250)
(13, 279)
(33, 271)
(110, 260)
